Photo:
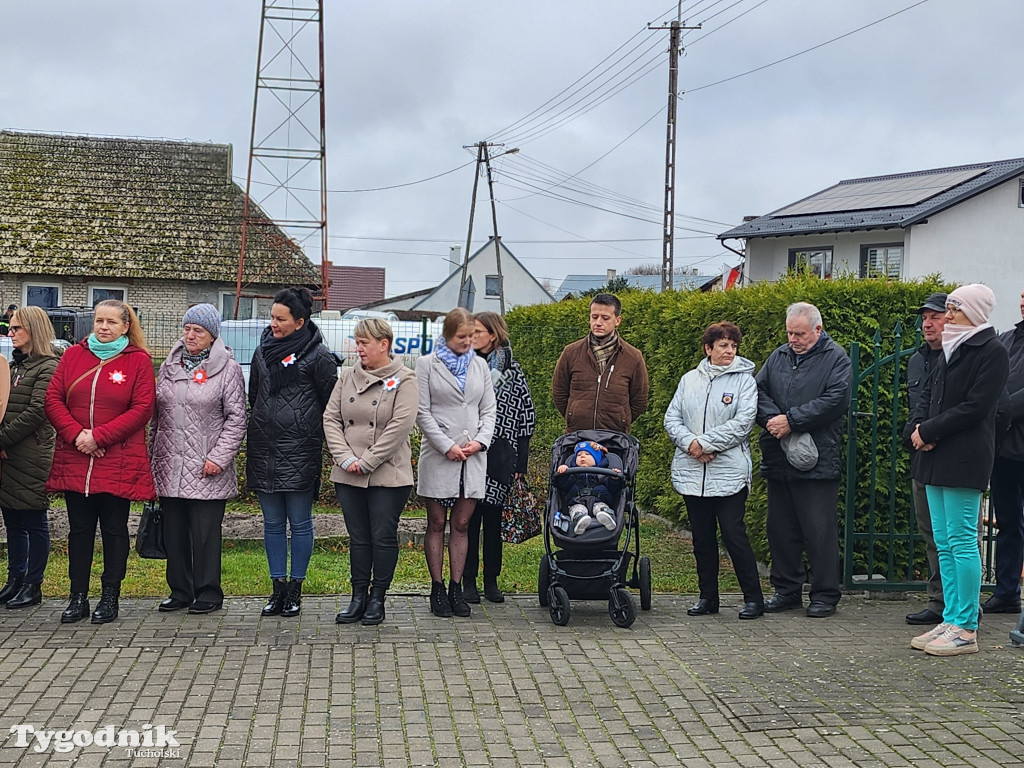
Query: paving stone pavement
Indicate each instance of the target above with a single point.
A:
(508, 688)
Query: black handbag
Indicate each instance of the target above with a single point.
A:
(501, 461)
(149, 541)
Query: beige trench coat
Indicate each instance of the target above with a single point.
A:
(448, 416)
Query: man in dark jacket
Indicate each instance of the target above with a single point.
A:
(803, 388)
(600, 381)
(1007, 484)
(920, 365)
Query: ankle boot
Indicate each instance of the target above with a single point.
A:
(458, 601)
(292, 599)
(469, 590)
(275, 604)
(78, 608)
(375, 607)
(491, 591)
(439, 605)
(29, 594)
(106, 608)
(10, 589)
(355, 609)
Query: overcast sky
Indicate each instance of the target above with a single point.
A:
(409, 83)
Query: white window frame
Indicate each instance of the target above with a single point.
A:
(41, 284)
(241, 303)
(107, 287)
(866, 269)
(823, 255)
(1020, 194)
(487, 293)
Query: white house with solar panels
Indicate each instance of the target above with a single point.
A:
(965, 223)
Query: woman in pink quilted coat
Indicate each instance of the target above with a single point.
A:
(197, 430)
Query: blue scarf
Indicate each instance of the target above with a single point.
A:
(105, 350)
(457, 364)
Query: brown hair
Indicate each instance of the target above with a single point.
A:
(494, 323)
(723, 330)
(40, 330)
(135, 335)
(454, 320)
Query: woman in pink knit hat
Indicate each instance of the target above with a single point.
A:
(955, 431)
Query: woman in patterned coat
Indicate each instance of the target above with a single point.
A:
(515, 420)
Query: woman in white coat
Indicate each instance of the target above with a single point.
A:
(456, 417)
(709, 421)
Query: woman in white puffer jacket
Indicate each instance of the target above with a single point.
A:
(709, 420)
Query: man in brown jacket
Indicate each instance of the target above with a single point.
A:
(600, 381)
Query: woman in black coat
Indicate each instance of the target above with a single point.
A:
(955, 430)
(290, 382)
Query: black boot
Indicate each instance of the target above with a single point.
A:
(491, 591)
(106, 608)
(78, 608)
(375, 607)
(355, 609)
(293, 599)
(439, 605)
(29, 594)
(275, 604)
(458, 601)
(10, 589)
(469, 590)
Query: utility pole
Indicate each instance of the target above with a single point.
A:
(668, 229)
(484, 156)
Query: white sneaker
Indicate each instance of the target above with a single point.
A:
(604, 516)
(953, 642)
(582, 523)
(919, 642)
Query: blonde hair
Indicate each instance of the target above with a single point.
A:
(454, 320)
(40, 330)
(135, 335)
(374, 328)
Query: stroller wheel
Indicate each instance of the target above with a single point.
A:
(559, 608)
(645, 583)
(543, 581)
(621, 607)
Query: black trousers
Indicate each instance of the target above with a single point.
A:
(83, 513)
(1008, 499)
(487, 516)
(28, 544)
(192, 536)
(802, 517)
(371, 516)
(707, 515)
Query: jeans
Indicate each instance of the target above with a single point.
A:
(281, 510)
(487, 516)
(192, 536)
(707, 514)
(371, 517)
(112, 513)
(1008, 500)
(955, 525)
(28, 544)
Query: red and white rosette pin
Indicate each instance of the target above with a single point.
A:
(391, 383)
(199, 376)
(290, 360)
(118, 377)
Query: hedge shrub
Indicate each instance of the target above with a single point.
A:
(668, 327)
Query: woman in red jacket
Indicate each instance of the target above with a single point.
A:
(100, 400)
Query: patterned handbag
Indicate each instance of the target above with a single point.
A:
(521, 516)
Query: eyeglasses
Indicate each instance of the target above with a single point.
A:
(15, 328)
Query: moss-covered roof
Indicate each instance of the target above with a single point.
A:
(131, 208)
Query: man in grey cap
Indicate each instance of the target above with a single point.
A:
(920, 365)
(803, 390)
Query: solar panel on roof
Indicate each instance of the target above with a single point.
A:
(880, 193)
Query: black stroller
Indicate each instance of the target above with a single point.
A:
(589, 565)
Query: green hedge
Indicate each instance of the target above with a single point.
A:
(668, 328)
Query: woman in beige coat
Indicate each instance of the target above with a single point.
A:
(456, 416)
(367, 424)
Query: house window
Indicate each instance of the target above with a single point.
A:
(815, 260)
(492, 287)
(99, 293)
(1020, 194)
(45, 295)
(881, 260)
(246, 307)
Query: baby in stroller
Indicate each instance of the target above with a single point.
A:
(589, 496)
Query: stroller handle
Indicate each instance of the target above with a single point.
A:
(591, 470)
